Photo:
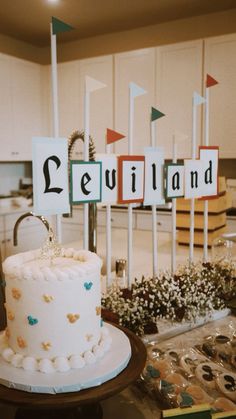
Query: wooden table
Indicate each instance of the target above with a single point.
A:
(77, 405)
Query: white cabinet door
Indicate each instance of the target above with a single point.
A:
(138, 67)
(26, 107)
(220, 63)
(6, 128)
(179, 74)
(101, 101)
(68, 97)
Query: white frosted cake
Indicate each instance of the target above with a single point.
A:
(53, 311)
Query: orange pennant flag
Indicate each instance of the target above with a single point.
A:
(113, 136)
(210, 81)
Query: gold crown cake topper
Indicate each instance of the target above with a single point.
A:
(51, 248)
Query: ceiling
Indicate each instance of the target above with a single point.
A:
(28, 20)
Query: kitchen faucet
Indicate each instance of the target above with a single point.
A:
(75, 136)
(22, 217)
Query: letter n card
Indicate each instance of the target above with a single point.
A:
(209, 156)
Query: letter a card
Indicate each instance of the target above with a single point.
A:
(50, 176)
(85, 181)
(174, 180)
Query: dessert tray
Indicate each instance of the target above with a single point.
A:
(113, 362)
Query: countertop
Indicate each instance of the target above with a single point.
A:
(142, 250)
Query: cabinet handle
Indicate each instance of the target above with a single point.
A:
(159, 223)
(8, 240)
(112, 219)
(14, 153)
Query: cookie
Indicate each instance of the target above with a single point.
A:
(177, 379)
(209, 350)
(233, 361)
(224, 405)
(190, 361)
(207, 372)
(163, 366)
(198, 394)
(153, 352)
(173, 355)
(222, 339)
(184, 399)
(226, 383)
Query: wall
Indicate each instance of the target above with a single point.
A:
(166, 33)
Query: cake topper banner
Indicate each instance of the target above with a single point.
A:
(50, 175)
(112, 179)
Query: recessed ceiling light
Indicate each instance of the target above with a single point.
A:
(53, 1)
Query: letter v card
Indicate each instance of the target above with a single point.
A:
(85, 181)
(109, 178)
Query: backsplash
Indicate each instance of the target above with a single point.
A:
(10, 175)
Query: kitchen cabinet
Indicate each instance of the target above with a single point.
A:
(178, 75)
(71, 84)
(68, 97)
(101, 101)
(6, 128)
(20, 109)
(220, 63)
(138, 67)
(164, 221)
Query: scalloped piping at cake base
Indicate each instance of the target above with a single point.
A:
(60, 363)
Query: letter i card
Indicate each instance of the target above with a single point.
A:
(130, 179)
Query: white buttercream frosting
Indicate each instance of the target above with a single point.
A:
(54, 311)
(59, 364)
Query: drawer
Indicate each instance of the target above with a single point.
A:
(144, 222)
(118, 218)
(72, 233)
(77, 217)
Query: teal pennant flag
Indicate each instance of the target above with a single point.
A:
(156, 114)
(59, 26)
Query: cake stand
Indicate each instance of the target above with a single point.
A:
(83, 404)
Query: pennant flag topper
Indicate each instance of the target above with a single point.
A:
(59, 26)
(197, 99)
(210, 81)
(156, 114)
(136, 90)
(92, 84)
(113, 136)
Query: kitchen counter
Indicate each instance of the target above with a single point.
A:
(142, 250)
